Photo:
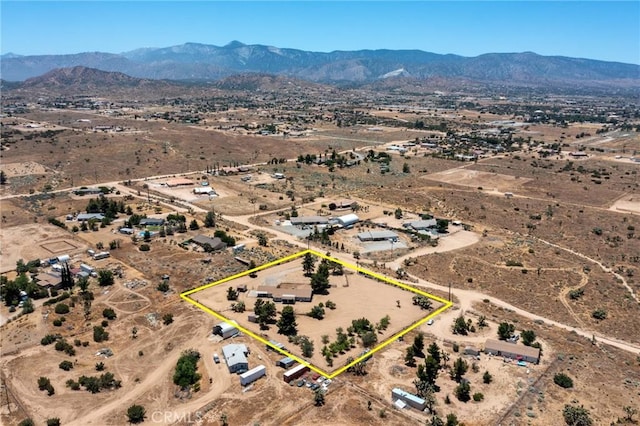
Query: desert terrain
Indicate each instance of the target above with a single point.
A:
(535, 224)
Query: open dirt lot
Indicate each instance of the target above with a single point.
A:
(346, 292)
(474, 178)
(50, 241)
(627, 204)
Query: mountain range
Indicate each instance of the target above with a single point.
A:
(193, 61)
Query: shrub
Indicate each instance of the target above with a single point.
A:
(487, 378)
(563, 380)
(478, 396)
(61, 309)
(53, 421)
(145, 247)
(66, 365)
(57, 322)
(599, 314)
(167, 319)
(109, 314)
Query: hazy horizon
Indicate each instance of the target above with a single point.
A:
(607, 31)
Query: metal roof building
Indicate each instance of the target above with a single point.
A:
(348, 219)
(225, 330)
(410, 399)
(512, 350)
(235, 355)
(377, 235)
(423, 224)
(309, 220)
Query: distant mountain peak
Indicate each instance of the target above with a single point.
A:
(235, 44)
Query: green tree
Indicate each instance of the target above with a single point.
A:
(167, 318)
(307, 347)
(232, 294)
(452, 420)
(409, 358)
(54, 421)
(418, 345)
(460, 326)
(308, 264)
(262, 240)
(505, 330)
(434, 351)
(563, 380)
(287, 322)
(318, 397)
(435, 421)
(193, 225)
(487, 378)
(459, 369)
(317, 312)
(320, 280)
(576, 416)
(109, 314)
(528, 337)
(463, 391)
(26, 422)
(210, 220)
(136, 414)
(105, 277)
(186, 372)
(99, 335)
(3, 177)
(405, 168)
(369, 339)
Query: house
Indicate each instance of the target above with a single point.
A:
(348, 220)
(421, 224)
(408, 398)
(252, 375)
(235, 356)
(49, 280)
(294, 372)
(286, 295)
(377, 236)
(512, 350)
(172, 183)
(578, 154)
(214, 243)
(83, 217)
(225, 330)
(150, 221)
(309, 220)
(88, 191)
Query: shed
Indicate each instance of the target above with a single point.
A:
(225, 330)
(276, 344)
(285, 362)
(470, 350)
(409, 398)
(348, 219)
(512, 350)
(235, 356)
(252, 375)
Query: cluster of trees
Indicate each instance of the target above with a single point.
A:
(342, 344)
(186, 372)
(95, 384)
(107, 206)
(265, 312)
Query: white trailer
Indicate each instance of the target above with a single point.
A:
(252, 375)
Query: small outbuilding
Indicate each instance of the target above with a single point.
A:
(285, 362)
(294, 372)
(252, 375)
(225, 330)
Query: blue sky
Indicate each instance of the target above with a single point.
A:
(605, 30)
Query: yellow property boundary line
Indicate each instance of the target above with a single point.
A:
(446, 305)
